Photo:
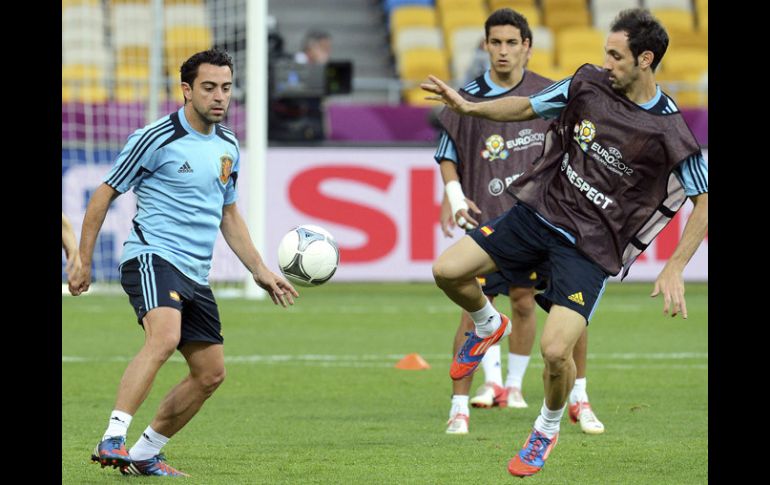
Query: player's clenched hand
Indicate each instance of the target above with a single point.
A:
(79, 281)
(280, 290)
(464, 218)
(445, 94)
(671, 284)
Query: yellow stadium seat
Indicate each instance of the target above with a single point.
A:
(83, 83)
(133, 55)
(182, 42)
(554, 73)
(557, 18)
(688, 40)
(532, 14)
(442, 5)
(459, 19)
(564, 4)
(574, 58)
(84, 94)
(682, 63)
(75, 3)
(688, 91)
(514, 4)
(412, 16)
(572, 37)
(416, 97)
(127, 93)
(185, 2)
(574, 42)
(674, 19)
(702, 14)
(411, 37)
(414, 65)
(540, 60)
(198, 35)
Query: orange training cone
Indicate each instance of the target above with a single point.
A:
(412, 362)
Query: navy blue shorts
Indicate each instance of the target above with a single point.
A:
(494, 284)
(151, 282)
(519, 241)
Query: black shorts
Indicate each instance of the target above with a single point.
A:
(519, 241)
(151, 282)
(494, 284)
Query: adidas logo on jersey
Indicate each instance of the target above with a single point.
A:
(577, 298)
(185, 168)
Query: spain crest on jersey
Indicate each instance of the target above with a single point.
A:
(225, 168)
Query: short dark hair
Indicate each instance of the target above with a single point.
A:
(313, 36)
(645, 33)
(215, 56)
(507, 16)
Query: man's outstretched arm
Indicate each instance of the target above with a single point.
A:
(509, 108)
(670, 281)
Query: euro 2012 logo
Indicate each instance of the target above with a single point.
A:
(495, 148)
(585, 131)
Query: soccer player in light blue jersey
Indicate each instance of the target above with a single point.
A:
(618, 164)
(183, 169)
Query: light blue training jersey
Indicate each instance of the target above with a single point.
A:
(181, 179)
(693, 172)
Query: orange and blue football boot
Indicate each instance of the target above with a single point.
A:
(153, 466)
(532, 456)
(470, 354)
(111, 452)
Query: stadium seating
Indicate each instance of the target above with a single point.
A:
(452, 20)
(676, 4)
(577, 45)
(603, 12)
(674, 19)
(85, 57)
(411, 37)
(83, 83)
(514, 4)
(559, 14)
(702, 14)
(410, 16)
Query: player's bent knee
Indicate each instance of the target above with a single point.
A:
(162, 347)
(441, 274)
(555, 356)
(210, 381)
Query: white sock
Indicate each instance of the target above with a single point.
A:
(459, 405)
(579, 391)
(148, 445)
(491, 365)
(548, 421)
(487, 320)
(517, 366)
(118, 425)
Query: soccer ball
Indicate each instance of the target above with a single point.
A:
(308, 255)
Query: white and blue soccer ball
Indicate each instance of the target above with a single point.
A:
(308, 255)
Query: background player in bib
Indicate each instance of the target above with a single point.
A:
(619, 163)
(478, 159)
(183, 169)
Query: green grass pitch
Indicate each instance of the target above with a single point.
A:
(312, 396)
